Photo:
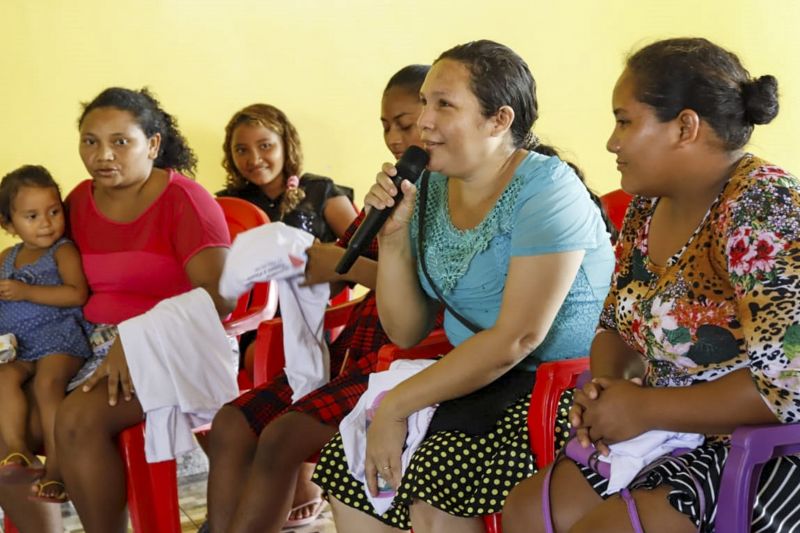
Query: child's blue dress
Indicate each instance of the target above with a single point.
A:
(41, 329)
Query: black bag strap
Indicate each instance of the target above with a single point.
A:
(423, 205)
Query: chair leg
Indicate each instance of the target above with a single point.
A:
(152, 487)
(9, 526)
(492, 523)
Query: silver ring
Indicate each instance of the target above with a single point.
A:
(387, 467)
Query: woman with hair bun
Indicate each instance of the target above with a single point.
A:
(697, 334)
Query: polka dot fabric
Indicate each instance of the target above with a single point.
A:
(460, 474)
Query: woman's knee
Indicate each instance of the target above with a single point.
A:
(230, 431)
(285, 441)
(71, 421)
(522, 509)
(86, 417)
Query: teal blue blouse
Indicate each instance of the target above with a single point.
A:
(544, 209)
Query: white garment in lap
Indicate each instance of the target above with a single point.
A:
(353, 427)
(629, 457)
(180, 364)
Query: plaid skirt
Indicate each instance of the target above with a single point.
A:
(355, 352)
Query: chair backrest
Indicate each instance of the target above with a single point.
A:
(241, 215)
(616, 204)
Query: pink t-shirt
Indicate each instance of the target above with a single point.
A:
(132, 266)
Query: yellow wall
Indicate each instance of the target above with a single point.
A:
(325, 63)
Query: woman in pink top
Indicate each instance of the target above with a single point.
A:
(145, 233)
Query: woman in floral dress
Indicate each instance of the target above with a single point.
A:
(704, 307)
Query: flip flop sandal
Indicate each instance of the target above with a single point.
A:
(19, 472)
(58, 497)
(318, 504)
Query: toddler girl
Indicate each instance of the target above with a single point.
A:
(42, 289)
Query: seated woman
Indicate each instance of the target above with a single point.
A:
(263, 161)
(704, 303)
(511, 242)
(260, 440)
(145, 232)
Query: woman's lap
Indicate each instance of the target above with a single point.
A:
(777, 499)
(329, 404)
(460, 474)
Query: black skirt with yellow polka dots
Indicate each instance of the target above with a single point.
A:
(463, 475)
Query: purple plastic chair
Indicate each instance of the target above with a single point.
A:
(751, 447)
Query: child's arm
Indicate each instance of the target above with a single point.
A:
(72, 293)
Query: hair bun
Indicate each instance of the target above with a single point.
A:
(760, 97)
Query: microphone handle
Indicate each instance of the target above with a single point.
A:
(363, 236)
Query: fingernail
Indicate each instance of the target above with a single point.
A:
(85, 388)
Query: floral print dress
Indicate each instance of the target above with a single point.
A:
(729, 299)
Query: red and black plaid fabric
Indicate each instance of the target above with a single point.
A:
(357, 345)
(353, 355)
(371, 251)
(328, 404)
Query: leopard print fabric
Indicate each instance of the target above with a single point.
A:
(729, 299)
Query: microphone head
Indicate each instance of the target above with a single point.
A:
(412, 162)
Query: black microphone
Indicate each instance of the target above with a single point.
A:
(410, 166)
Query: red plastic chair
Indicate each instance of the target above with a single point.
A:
(552, 379)
(260, 303)
(616, 204)
(433, 345)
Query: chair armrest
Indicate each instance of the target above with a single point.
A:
(552, 379)
(250, 319)
(768, 441)
(751, 448)
(431, 346)
(338, 315)
(269, 360)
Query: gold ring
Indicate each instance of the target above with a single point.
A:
(387, 467)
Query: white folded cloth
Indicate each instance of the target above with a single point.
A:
(180, 364)
(277, 252)
(353, 427)
(629, 457)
